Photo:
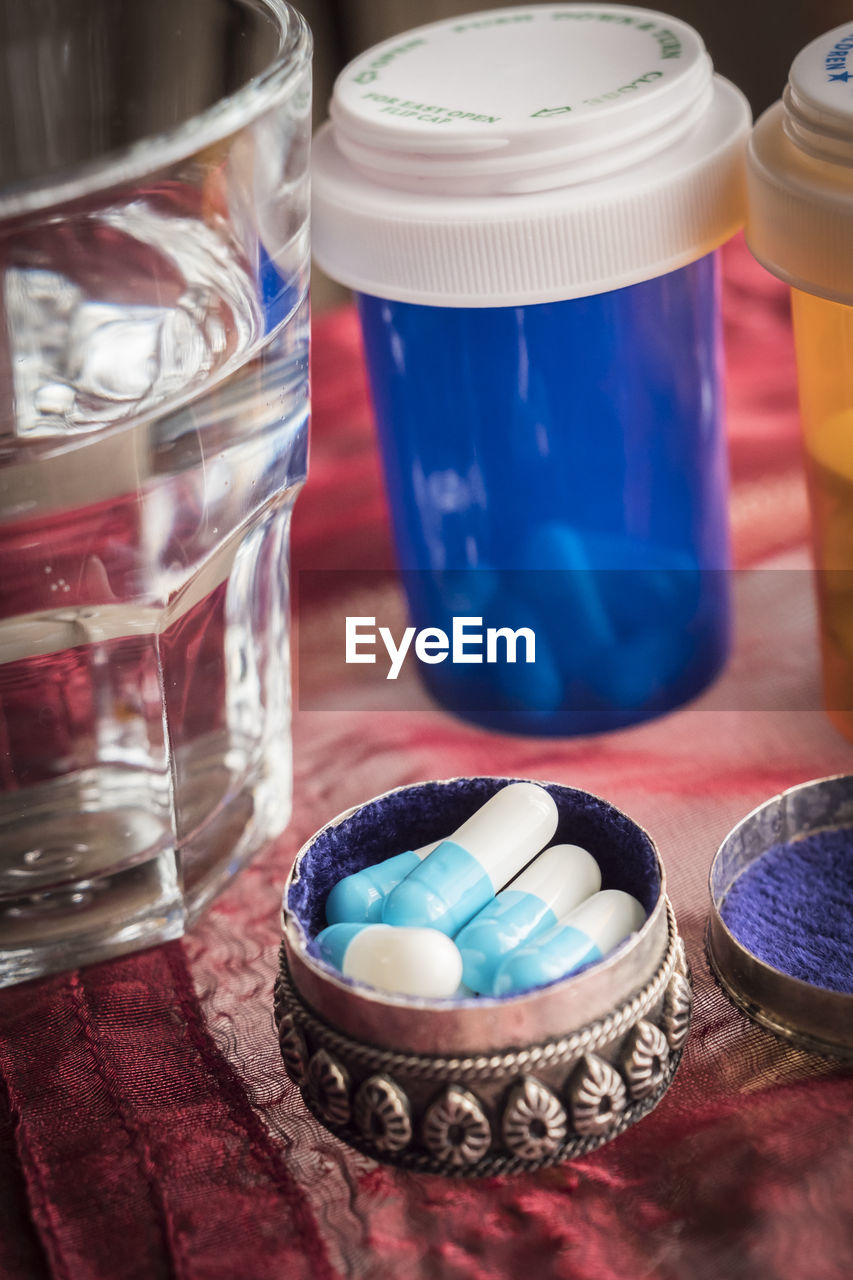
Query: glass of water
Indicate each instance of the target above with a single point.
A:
(153, 437)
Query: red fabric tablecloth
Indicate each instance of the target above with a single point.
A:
(146, 1126)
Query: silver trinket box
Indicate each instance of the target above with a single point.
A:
(482, 1086)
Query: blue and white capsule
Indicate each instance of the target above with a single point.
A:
(583, 936)
(555, 883)
(358, 899)
(409, 962)
(460, 876)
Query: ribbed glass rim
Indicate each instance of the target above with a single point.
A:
(159, 150)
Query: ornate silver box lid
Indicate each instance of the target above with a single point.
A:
(811, 1016)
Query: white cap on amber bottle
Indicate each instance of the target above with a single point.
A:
(800, 173)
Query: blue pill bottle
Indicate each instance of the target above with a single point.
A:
(528, 205)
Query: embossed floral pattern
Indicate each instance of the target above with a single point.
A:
(644, 1059)
(327, 1083)
(677, 1006)
(294, 1052)
(534, 1121)
(596, 1096)
(381, 1111)
(455, 1128)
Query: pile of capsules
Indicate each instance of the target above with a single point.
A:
(449, 919)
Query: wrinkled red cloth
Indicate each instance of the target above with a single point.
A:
(146, 1126)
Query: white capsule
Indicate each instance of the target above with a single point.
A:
(460, 876)
(555, 883)
(408, 962)
(583, 936)
(563, 876)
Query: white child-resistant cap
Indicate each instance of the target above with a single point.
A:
(800, 173)
(527, 155)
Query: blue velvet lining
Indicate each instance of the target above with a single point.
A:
(793, 909)
(428, 811)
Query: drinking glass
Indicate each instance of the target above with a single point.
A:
(153, 438)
